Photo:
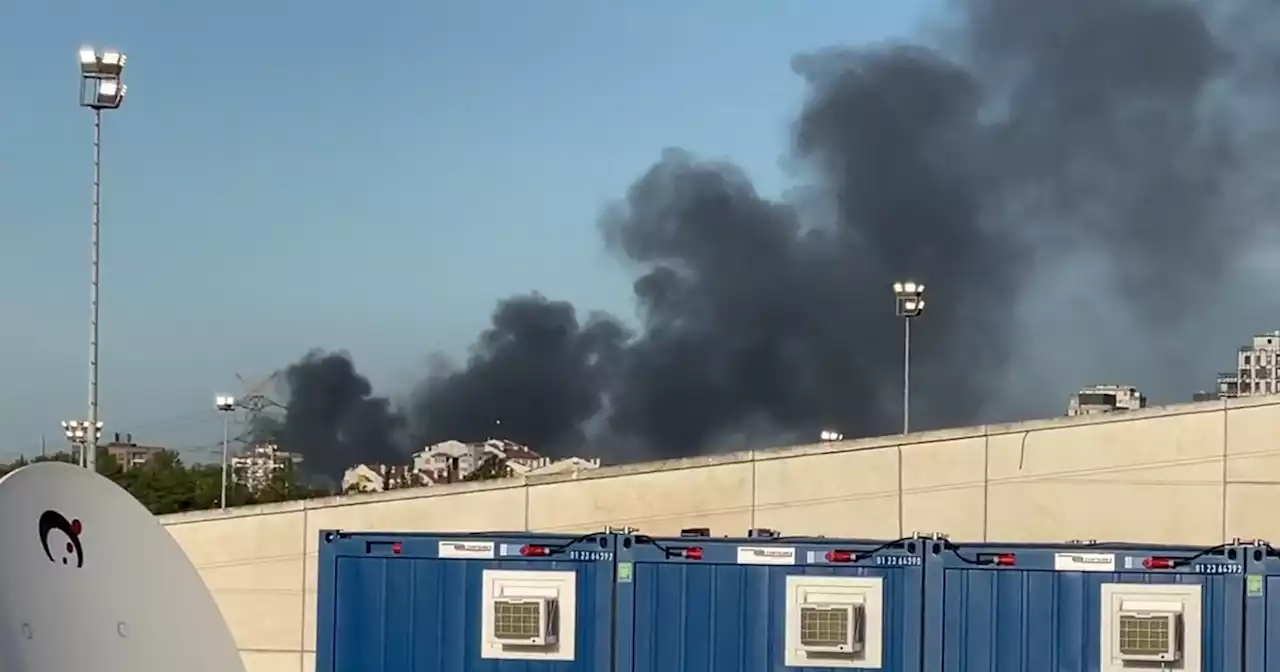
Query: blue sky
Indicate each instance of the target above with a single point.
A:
(290, 175)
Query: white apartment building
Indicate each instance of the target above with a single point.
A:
(450, 461)
(1105, 399)
(453, 461)
(568, 465)
(1256, 371)
(254, 467)
(382, 477)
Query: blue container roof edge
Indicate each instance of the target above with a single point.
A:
(1092, 545)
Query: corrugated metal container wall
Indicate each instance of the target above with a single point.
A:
(1083, 608)
(692, 604)
(452, 603)
(1262, 609)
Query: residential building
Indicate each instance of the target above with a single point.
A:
(567, 465)
(1226, 385)
(130, 455)
(1105, 399)
(255, 466)
(447, 461)
(1257, 366)
(452, 461)
(520, 458)
(382, 477)
(1205, 396)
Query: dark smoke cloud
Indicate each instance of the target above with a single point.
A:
(534, 377)
(1074, 181)
(333, 418)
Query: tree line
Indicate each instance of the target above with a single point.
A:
(165, 484)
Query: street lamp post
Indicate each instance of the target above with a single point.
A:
(908, 301)
(101, 88)
(83, 436)
(226, 405)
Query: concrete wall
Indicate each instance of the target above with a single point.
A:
(1198, 473)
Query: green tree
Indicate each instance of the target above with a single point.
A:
(492, 467)
(285, 484)
(22, 461)
(164, 484)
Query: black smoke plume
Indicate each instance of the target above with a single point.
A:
(333, 418)
(1079, 184)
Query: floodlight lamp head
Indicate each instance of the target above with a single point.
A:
(109, 94)
(108, 63)
(908, 288)
(88, 61)
(112, 62)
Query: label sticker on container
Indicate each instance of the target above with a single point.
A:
(1253, 585)
(624, 572)
(766, 555)
(1084, 562)
(465, 549)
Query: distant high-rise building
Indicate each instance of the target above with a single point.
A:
(255, 466)
(1106, 399)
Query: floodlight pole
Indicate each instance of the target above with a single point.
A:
(908, 304)
(226, 424)
(101, 88)
(91, 454)
(906, 376)
(226, 405)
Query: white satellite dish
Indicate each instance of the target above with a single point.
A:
(90, 580)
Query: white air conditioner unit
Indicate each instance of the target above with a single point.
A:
(1147, 636)
(526, 621)
(833, 628)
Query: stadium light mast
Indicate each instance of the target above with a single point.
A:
(83, 436)
(101, 88)
(908, 304)
(908, 301)
(226, 405)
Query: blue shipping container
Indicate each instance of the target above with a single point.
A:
(1262, 608)
(1083, 608)
(464, 602)
(697, 604)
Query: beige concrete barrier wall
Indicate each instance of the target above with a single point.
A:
(1199, 473)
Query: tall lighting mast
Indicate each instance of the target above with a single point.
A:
(101, 88)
